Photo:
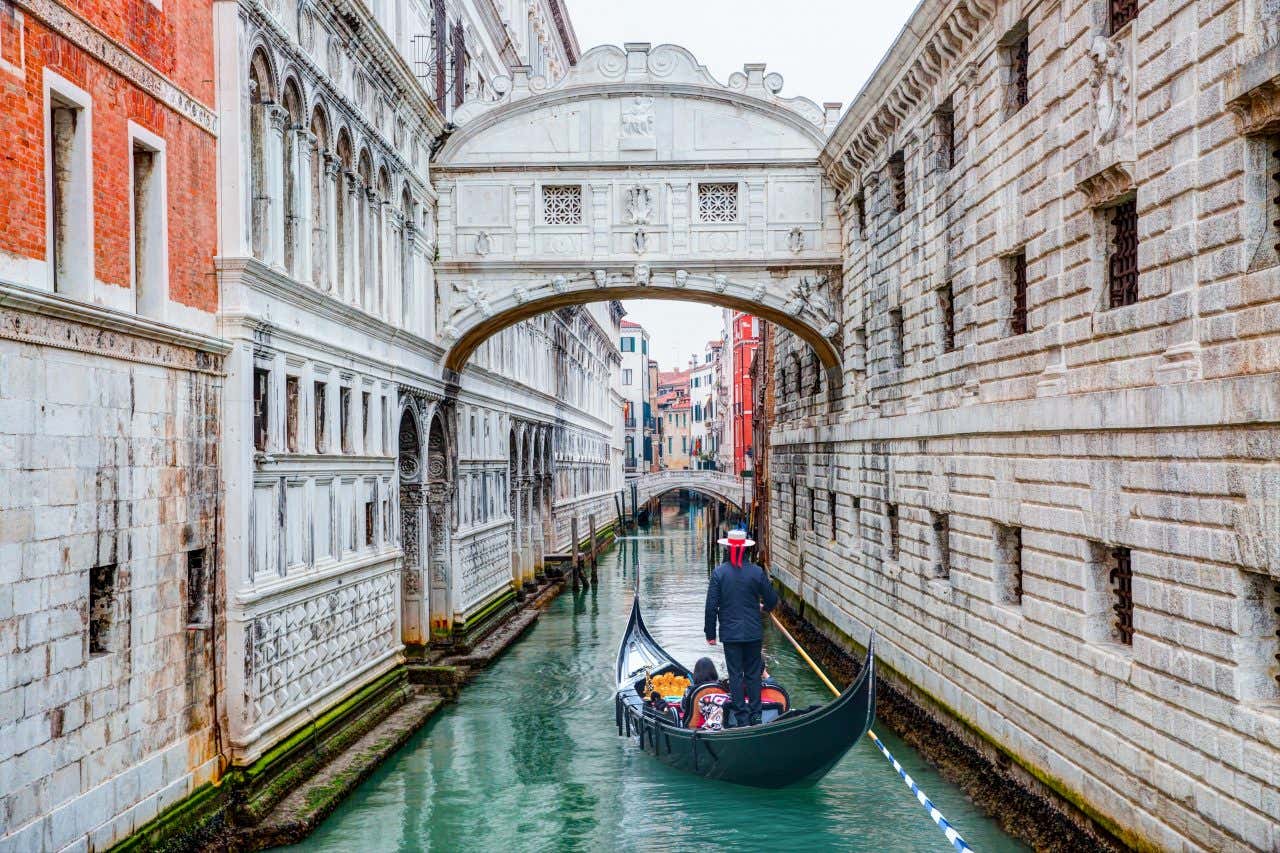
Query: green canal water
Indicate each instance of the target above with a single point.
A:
(529, 759)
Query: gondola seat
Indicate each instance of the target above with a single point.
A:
(693, 711)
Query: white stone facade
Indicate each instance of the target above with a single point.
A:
(1063, 527)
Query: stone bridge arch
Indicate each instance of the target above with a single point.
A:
(637, 175)
(732, 490)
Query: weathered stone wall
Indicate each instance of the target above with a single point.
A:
(109, 499)
(1147, 429)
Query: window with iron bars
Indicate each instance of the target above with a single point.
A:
(891, 516)
(1120, 575)
(947, 316)
(1121, 12)
(945, 135)
(1016, 50)
(1122, 255)
(1017, 293)
(791, 534)
(1008, 564)
(831, 512)
(941, 525)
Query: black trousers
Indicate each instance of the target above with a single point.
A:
(745, 667)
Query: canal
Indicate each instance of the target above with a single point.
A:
(528, 757)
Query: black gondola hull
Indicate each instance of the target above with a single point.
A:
(792, 750)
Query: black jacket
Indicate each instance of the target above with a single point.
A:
(734, 596)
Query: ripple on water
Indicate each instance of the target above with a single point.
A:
(528, 758)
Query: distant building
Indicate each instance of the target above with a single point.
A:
(674, 411)
(745, 331)
(636, 392)
(704, 376)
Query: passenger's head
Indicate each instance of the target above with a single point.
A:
(704, 671)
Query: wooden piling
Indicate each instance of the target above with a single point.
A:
(576, 564)
(595, 562)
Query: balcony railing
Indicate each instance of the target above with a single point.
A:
(630, 423)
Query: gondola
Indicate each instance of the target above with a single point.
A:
(799, 746)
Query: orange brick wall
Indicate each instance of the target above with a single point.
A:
(177, 42)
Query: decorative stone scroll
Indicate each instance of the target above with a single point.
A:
(1105, 184)
(1253, 93)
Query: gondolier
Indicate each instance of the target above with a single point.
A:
(738, 593)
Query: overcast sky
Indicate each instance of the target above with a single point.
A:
(824, 50)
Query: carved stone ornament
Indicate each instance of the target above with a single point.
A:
(719, 283)
(639, 241)
(520, 295)
(1110, 81)
(482, 243)
(829, 330)
(600, 277)
(806, 293)
(682, 278)
(558, 284)
(476, 296)
(1105, 185)
(758, 292)
(795, 240)
(639, 205)
(642, 274)
(636, 129)
(452, 332)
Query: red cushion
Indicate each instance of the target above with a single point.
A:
(695, 714)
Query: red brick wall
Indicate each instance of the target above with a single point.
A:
(155, 36)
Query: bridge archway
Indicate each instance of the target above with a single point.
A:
(638, 175)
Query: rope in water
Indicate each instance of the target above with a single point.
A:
(950, 831)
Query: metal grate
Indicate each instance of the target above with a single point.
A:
(1276, 610)
(1021, 58)
(1275, 177)
(1123, 263)
(1122, 12)
(1018, 278)
(947, 312)
(718, 202)
(1122, 590)
(562, 205)
(898, 180)
(831, 511)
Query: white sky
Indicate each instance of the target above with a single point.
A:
(824, 49)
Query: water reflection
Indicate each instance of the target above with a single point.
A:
(528, 758)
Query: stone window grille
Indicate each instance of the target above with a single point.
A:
(718, 202)
(102, 608)
(945, 135)
(898, 181)
(562, 204)
(1120, 575)
(940, 523)
(1015, 50)
(261, 407)
(1120, 13)
(198, 613)
(947, 316)
(322, 418)
(891, 515)
(1008, 564)
(1017, 270)
(1122, 254)
(344, 418)
(291, 404)
(896, 333)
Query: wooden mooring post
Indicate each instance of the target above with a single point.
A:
(591, 522)
(579, 579)
(617, 504)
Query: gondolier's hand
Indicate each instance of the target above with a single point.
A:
(711, 641)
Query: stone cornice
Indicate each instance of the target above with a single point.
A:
(929, 46)
(564, 26)
(46, 319)
(1253, 93)
(123, 61)
(441, 171)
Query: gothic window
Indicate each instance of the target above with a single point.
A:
(261, 104)
(947, 316)
(718, 202)
(1017, 276)
(1121, 12)
(320, 226)
(261, 407)
(102, 608)
(1122, 254)
(562, 205)
(898, 181)
(291, 160)
(1015, 51)
(941, 527)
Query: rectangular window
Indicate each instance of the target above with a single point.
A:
(644, 346)
(1259, 640)
(891, 517)
(102, 608)
(898, 181)
(628, 344)
(384, 428)
(860, 213)
(291, 404)
(261, 407)
(369, 522)
(322, 417)
(857, 519)
(198, 614)
(365, 424)
(150, 259)
(1262, 195)
(941, 527)
(1017, 274)
(945, 135)
(896, 334)
(1121, 12)
(718, 202)
(1120, 575)
(459, 62)
(812, 509)
(626, 377)
(562, 205)
(1122, 254)
(1008, 564)
(70, 198)
(947, 316)
(344, 418)
(831, 512)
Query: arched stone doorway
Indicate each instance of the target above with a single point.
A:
(412, 522)
(514, 510)
(439, 487)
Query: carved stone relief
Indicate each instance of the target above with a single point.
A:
(1110, 81)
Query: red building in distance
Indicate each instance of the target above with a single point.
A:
(745, 331)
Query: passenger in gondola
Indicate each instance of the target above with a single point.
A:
(706, 700)
(737, 597)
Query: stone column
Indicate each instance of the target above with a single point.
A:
(329, 236)
(372, 243)
(351, 241)
(273, 164)
(409, 294)
(415, 616)
(438, 497)
(303, 145)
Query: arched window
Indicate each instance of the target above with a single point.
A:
(291, 168)
(262, 97)
(364, 283)
(408, 301)
(344, 221)
(384, 247)
(321, 271)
